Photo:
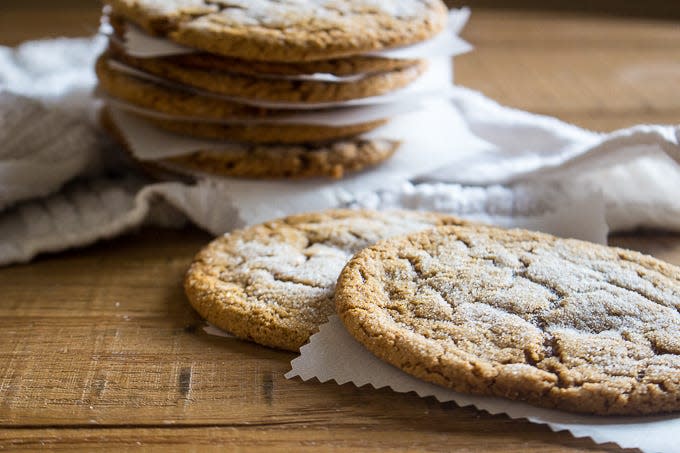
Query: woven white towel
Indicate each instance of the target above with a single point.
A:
(515, 164)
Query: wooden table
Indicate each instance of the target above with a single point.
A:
(99, 349)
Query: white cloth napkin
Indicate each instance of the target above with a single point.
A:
(61, 185)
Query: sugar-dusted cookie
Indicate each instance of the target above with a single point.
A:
(273, 283)
(557, 323)
(287, 30)
(340, 67)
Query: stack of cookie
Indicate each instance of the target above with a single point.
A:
(280, 88)
(558, 323)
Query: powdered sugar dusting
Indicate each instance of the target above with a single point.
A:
(284, 13)
(598, 326)
(305, 262)
(285, 271)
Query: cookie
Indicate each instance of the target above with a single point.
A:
(558, 323)
(339, 67)
(242, 160)
(333, 160)
(273, 283)
(172, 101)
(199, 116)
(276, 89)
(265, 134)
(287, 30)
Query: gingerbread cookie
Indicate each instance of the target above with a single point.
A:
(333, 160)
(558, 323)
(287, 30)
(273, 283)
(203, 116)
(340, 67)
(266, 134)
(243, 160)
(272, 89)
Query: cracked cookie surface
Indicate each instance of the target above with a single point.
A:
(558, 323)
(287, 30)
(273, 283)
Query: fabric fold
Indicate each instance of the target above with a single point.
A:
(59, 189)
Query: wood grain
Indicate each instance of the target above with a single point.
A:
(416, 437)
(93, 357)
(99, 349)
(594, 84)
(600, 73)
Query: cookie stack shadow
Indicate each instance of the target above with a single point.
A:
(288, 97)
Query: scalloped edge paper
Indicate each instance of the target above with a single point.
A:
(334, 355)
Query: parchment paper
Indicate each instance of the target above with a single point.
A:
(426, 137)
(436, 81)
(333, 354)
(327, 117)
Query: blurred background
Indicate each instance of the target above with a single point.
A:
(648, 8)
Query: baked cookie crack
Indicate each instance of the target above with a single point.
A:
(555, 322)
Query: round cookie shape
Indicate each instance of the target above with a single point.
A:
(273, 283)
(340, 67)
(287, 30)
(554, 322)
